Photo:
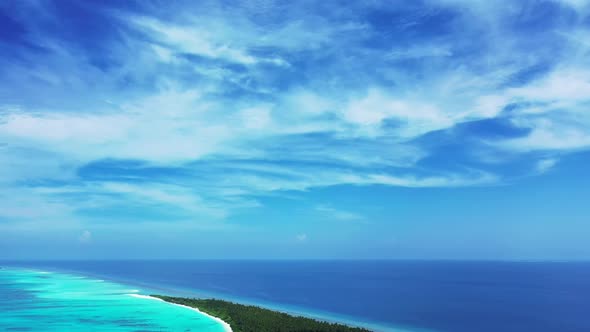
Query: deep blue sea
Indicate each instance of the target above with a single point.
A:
(385, 295)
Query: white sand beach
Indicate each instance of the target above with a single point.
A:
(226, 326)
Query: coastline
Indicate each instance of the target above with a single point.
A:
(192, 293)
(254, 318)
(296, 312)
(226, 326)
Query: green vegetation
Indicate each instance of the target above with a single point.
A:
(246, 318)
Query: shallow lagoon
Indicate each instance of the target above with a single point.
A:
(43, 301)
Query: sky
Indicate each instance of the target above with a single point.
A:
(435, 129)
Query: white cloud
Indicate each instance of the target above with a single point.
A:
(553, 108)
(491, 105)
(453, 180)
(338, 126)
(59, 128)
(190, 40)
(420, 51)
(306, 102)
(170, 126)
(569, 85)
(200, 41)
(551, 133)
(256, 118)
(544, 138)
(179, 198)
(337, 214)
(301, 237)
(25, 204)
(577, 4)
(85, 237)
(545, 165)
(415, 117)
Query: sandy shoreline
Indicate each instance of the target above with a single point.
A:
(226, 326)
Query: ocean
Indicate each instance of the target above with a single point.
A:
(33, 300)
(443, 296)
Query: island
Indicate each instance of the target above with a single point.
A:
(248, 318)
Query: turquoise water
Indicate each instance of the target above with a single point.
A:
(43, 301)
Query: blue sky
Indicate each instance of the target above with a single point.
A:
(447, 129)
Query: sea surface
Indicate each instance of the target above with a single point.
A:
(32, 300)
(440, 296)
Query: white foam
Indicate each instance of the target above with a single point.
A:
(225, 325)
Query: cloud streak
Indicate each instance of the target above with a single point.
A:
(205, 113)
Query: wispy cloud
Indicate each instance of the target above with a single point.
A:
(301, 237)
(85, 237)
(336, 214)
(217, 109)
(545, 165)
